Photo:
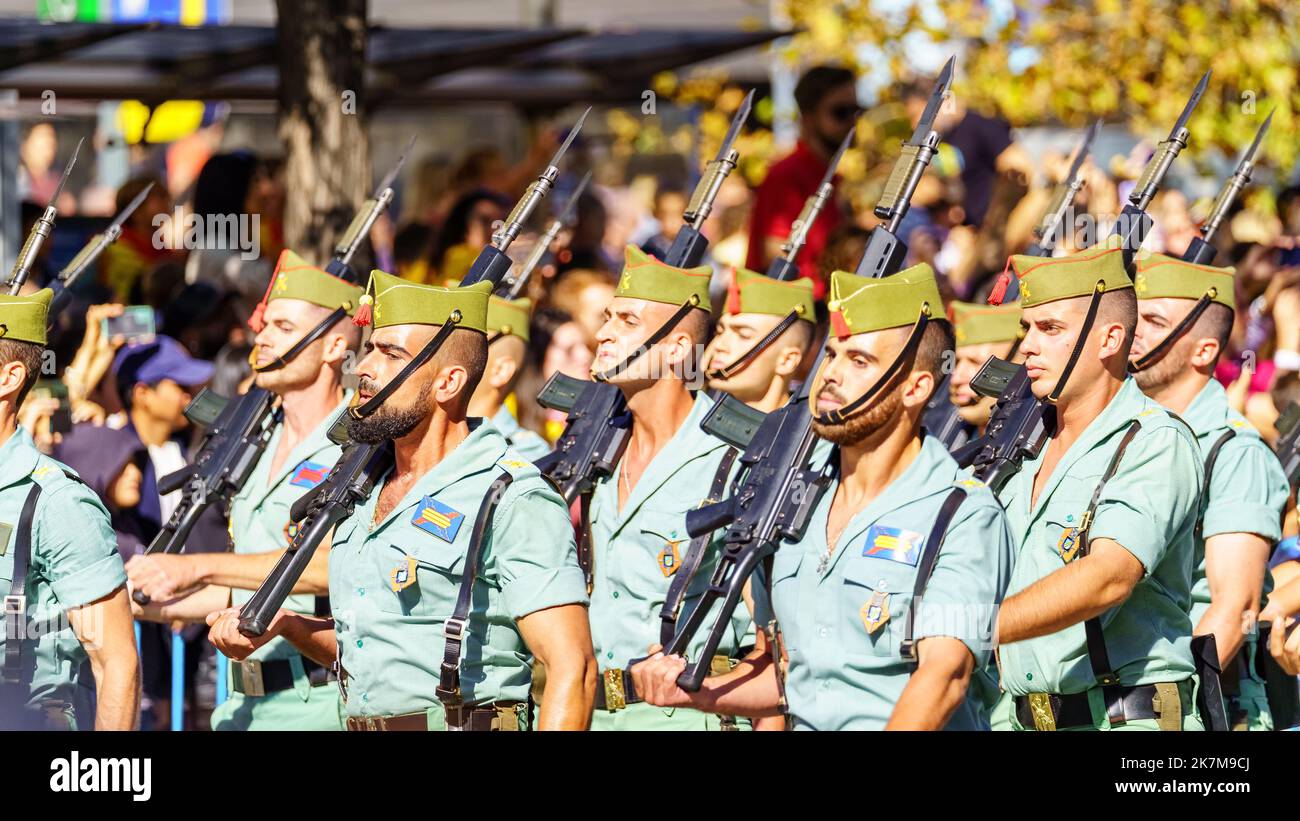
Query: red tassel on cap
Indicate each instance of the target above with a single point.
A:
(362, 319)
(1000, 287)
(839, 326)
(256, 322)
(733, 293)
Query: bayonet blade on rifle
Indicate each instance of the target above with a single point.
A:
(737, 122)
(568, 141)
(120, 219)
(67, 171)
(1197, 93)
(387, 181)
(1084, 149)
(941, 86)
(571, 207)
(1253, 151)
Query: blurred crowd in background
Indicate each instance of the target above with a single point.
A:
(979, 202)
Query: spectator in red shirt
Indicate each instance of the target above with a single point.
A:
(828, 106)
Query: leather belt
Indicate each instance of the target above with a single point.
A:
(253, 677)
(500, 716)
(1166, 702)
(615, 689)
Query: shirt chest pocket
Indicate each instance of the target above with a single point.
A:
(874, 599)
(1064, 519)
(662, 544)
(785, 582)
(417, 578)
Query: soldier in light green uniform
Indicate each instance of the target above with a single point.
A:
(398, 563)
(61, 577)
(507, 327)
(277, 688)
(638, 515)
(980, 331)
(857, 656)
(1104, 520)
(756, 306)
(1245, 488)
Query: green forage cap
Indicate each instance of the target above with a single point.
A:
(509, 316)
(296, 278)
(860, 305)
(974, 324)
(24, 318)
(645, 277)
(391, 300)
(754, 293)
(1043, 279)
(1160, 276)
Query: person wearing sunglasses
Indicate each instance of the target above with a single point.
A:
(828, 107)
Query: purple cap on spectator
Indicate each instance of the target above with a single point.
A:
(164, 358)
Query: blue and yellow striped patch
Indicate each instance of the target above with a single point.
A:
(894, 544)
(441, 520)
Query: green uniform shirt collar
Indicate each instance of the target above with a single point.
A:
(18, 458)
(484, 446)
(686, 445)
(1122, 409)
(506, 422)
(1208, 411)
(310, 445)
(932, 471)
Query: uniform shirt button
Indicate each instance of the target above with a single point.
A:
(358, 642)
(609, 655)
(361, 591)
(616, 594)
(365, 696)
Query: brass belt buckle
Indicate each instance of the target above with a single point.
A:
(1168, 704)
(615, 699)
(1040, 705)
(250, 677)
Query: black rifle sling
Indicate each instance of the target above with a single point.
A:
(15, 604)
(1097, 656)
(654, 338)
(1210, 459)
(924, 568)
(457, 624)
(1093, 304)
(584, 538)
(301, 345)
(775, 643)
(1157, 353)
(694, 556)
(763, 344)
(905, 356)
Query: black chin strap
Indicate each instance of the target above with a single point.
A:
(654, 338)
(1157, 353)
(302, 344)
(905, 356)
(426, 353)
(763, 344)
(1093, 304)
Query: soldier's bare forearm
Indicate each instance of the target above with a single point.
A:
(194, 607)
(570, 691)
(313, 636)
(247, 571)
(750, 690)
(1084, 588)
(937, 688)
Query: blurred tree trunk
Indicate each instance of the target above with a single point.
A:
(322, 58)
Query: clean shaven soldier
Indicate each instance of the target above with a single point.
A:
(756, 306)
(507, 327)
(980, 331)
(1094, 632)
(397, 565)
(863, 650)
(276, 688)
(64, 587)
(638, 515)
(1245, 489)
